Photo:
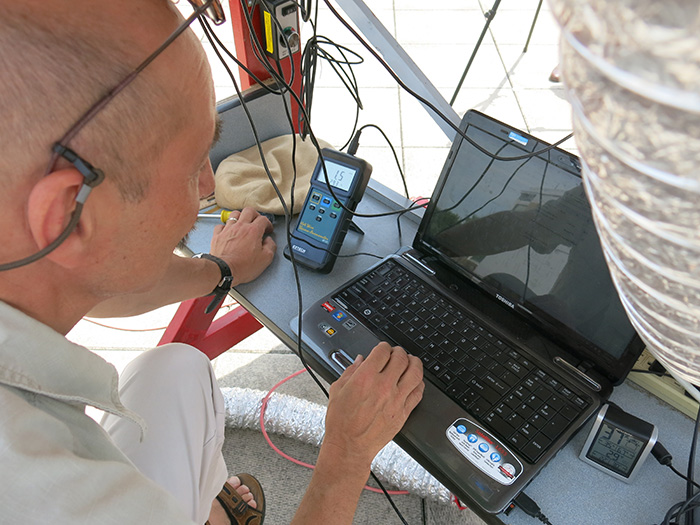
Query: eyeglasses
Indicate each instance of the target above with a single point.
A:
(212, 9)
(94, 176)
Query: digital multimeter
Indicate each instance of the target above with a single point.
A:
(618, 443)
(323, 222)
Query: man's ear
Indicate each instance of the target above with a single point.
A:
(50, 207)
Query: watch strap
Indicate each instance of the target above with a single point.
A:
(223, 286)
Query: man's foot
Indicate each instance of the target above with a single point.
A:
(218, 514)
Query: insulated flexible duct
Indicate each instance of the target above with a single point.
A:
(305, 421)
(631, 70)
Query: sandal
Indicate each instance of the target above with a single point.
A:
(238, 510)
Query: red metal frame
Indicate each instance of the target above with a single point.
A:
(245, 53)
(192, 326)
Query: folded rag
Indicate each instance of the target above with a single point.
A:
(242, 181)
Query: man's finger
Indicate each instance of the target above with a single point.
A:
(398, 363)
(233, 217)
(349, 371)
(412, 374)
(265, 223)
(269, 244)
(414, 397)
(379, 357)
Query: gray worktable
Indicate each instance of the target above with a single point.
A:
(568, 490)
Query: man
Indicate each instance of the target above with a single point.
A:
(113, 241)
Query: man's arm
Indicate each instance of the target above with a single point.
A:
(243, 243)
(368, 406)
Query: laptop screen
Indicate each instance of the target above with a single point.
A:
(523, 231)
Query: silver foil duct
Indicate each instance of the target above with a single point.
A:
(305, 421)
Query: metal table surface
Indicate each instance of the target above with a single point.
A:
(567, 490)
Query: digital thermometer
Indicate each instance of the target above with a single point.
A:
(323, 222)
(618, 443)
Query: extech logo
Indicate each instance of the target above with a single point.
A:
(504, 300)
(298, 248)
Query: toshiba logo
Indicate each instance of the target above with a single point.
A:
(298, 248)
(504, 300)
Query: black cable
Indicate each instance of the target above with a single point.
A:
(690, 490)
(312, 136)
(692, 501)
(478, 180)
(241, 65)
(287, 214)
(529, 507)
(287, 221)
(664, 457)
(652, 372)
(343, 68)
(257, 47)
(393, 151)
(388, 497)
(302, 109)
(422, 201)
(334, 254)
(532, 226)
(305, 9)
(683, 476)
(681, 508)
(427, 103)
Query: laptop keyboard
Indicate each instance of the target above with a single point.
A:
(521, 404)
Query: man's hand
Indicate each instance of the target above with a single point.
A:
(243, 242)
(368, 406)
(371, 401)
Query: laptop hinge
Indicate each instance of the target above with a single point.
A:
(427, 269)
(579, 374)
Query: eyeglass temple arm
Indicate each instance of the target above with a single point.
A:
(100, 104)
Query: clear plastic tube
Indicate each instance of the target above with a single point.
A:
(631, 70)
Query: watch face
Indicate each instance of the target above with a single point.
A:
(615, 449)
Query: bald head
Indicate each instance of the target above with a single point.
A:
(60, 57)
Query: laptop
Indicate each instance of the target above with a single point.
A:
(506, 298)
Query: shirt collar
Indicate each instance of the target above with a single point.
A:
(36, 358)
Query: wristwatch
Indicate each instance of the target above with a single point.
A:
(224, 285)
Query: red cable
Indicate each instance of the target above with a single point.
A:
(296, 461)
(456, 501)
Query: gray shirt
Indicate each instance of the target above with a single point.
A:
(58, 465)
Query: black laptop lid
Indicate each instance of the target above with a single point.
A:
(522, 231)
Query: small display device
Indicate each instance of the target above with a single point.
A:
(618, 443)
(323, 222)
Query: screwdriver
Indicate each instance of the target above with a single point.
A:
(225, 214)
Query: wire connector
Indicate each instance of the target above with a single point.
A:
(529, 507)
(662, 455)
(354, 143)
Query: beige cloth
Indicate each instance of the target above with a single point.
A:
(242, 181)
